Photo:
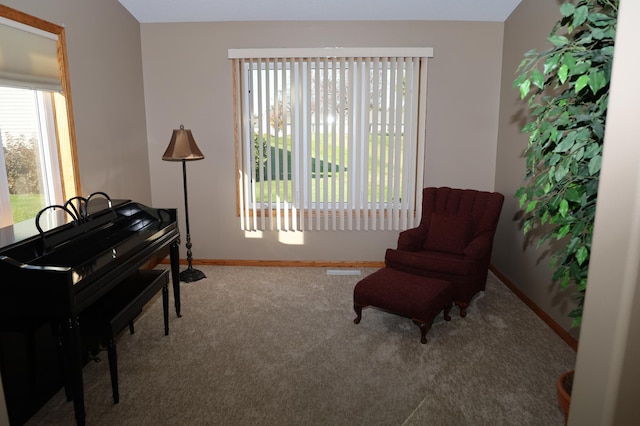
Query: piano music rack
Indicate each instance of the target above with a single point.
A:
(79, 213)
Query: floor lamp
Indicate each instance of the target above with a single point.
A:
(182, 147)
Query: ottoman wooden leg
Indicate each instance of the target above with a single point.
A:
(424, 328)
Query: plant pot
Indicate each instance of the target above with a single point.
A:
(565, 384)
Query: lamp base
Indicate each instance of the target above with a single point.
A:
(190, 274)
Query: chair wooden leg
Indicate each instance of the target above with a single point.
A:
(358, 309)
(446, 311)
(463, 308)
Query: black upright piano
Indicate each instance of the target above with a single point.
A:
(74, 254)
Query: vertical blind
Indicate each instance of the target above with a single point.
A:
(330, 139)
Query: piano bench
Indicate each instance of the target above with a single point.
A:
(107, 317)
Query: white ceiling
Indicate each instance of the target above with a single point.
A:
(147, 11)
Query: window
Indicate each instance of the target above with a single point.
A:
(330, 139)
(38, 165)
(30, 155)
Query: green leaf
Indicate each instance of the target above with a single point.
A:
(537, 78)
(600, 19)
(582, 82)
(563, 231)
(580, 68)
(582, 254)
(567, 9)
(598, 33)
(564, 208)
(523, 199)
(573, 243)
(540, 181)
(610, 33)
(519, 192)
(585, 39)
(597, 80)
(561, 172)
(583, 135)
(563, 73)
(524, 88)
(531, 206)
(545, 217)
(551, 63)
(598, 129)
(558, 41)
(594, 165)
(572, 195)
(577, 230)
(518, 81)
(554, 159)
(580, 15)
(582, 286)
(529, 127)
(569, 60)
(566, 143)
(592, 150)
(523, 63)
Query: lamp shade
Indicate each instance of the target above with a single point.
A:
(182, 147)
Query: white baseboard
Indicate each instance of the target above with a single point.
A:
(343, 272)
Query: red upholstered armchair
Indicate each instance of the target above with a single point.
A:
(453, 241)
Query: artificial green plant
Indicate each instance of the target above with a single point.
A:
(567, 90)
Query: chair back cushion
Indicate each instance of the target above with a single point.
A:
(449, 233)
(453, 217)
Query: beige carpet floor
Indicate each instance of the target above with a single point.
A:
(278, 346)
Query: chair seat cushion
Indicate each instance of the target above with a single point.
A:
(404, 294)
(430, 260)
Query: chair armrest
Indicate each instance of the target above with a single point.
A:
(411, 239)
(480, 246)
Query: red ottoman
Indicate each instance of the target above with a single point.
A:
(412, 296)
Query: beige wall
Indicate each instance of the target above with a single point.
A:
(607, 384)
(105, 66)
(188, 80)
(527, 267)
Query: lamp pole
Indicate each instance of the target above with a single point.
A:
(190, 274)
